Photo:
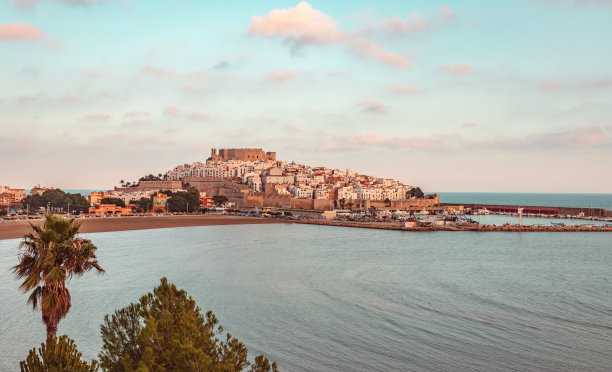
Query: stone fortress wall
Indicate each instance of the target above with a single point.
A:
(241, 154)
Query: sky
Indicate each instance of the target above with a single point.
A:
(498, 96)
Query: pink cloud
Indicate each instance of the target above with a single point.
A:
(404, 89)
(136, 114)
(291, 129)
(20, 32)
(280, 76)
(304, 25)
(434, 142)
(98, 117)
(601, 83)
(373, 106)
(368, 49)
(580, 2)
(461, 69)
(26, 4)
(469, 125)
(549, 85)
(397, 26)
(190, 89)
(581, 137)
(338, 72)
(196, 74)
(447, 12)
(198, 116)
(578, 138)
(298, 26)
(158, 72)
(172, 111)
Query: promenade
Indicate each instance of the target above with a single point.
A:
(17, 228)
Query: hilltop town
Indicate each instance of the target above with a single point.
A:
(251, 178)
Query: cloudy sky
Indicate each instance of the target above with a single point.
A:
(452, 96)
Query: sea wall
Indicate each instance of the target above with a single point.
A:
(552, 211)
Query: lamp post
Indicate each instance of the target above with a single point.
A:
(187, 207)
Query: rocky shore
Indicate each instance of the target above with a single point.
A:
(481, 228)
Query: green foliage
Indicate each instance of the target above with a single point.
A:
(57, 199)
(48, 256)
(58, 354)
(120, 333)
(116, 201)
(143, 204)
(166, 331)
(416, 192)
(262, 364)
(150, 177)
(3, 213)
(182, 201)
(219, 199)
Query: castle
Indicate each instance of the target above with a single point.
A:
(241, 154)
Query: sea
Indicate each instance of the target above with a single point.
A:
(323, 298)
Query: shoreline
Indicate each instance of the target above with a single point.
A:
(17, 229)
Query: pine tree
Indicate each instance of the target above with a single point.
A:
(57, 354)
(166, 331)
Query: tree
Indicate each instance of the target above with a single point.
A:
(48, 256)
(57, 354)
(57, 199)
(219, 199)
(342, 202)
(416, 192)
(166, 331)
(143, 204)
(150, 177)
(184, 201)
(116, 201)
(335, 204)
(122, 183)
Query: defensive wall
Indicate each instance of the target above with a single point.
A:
(153, 186)
(235, 192)
(241, 154)
(243, 196)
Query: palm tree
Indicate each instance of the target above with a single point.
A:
(47, 257)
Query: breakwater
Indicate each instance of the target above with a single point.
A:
(478, 228)
(541, 210)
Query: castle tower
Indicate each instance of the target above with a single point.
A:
(213, 155)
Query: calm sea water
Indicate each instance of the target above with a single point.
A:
(535, 199)
(318, 298)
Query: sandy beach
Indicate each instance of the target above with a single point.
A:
(16, 229)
